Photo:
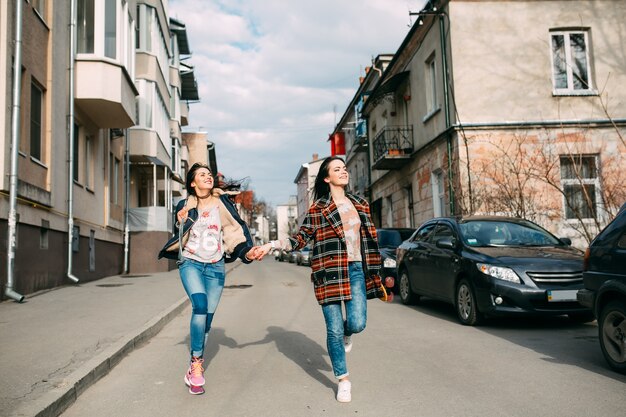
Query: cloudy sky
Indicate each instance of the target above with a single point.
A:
(275, 76)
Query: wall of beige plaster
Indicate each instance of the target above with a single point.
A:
(501, 59)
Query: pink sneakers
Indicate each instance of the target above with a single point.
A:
(194, 377)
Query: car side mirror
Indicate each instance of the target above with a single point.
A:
(566, 240)
(446, 243)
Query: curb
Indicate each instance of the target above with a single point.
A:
(58, 399)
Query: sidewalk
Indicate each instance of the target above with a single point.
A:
(57, 343)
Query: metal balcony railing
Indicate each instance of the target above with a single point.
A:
(392, 147)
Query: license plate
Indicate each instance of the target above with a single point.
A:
(561, 295)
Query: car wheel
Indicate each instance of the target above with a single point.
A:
(612, 334)
(407, 296)
(465, 304)
(585, 317)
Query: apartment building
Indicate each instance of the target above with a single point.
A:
(352, 129)
(502, 107)
(99, 133)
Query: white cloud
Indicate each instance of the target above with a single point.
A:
(271, 72)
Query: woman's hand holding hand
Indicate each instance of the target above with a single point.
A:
(258, 252)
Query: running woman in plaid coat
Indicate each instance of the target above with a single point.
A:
(345, 263)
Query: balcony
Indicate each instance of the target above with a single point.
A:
(105, 93)
(146, 146)
(392, 147)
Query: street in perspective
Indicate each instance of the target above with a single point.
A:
(383, 208)
(267, 357)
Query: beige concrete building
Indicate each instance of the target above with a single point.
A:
(157, 151)
(81, 117)
(507, 107)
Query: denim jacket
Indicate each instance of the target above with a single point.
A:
(235, 234)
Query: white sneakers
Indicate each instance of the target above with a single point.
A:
(343, 392)
(347, 343)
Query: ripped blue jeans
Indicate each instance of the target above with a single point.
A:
(356, 317)
(203, 283)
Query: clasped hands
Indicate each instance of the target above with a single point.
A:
(258, 252)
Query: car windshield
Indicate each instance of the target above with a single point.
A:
(505, 233)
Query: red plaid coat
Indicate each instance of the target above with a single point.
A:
(329, 262)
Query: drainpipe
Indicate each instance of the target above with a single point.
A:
(15, 141)
(446, 101)
(126, 204)
(70, 181)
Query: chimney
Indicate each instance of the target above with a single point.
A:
(315, 157)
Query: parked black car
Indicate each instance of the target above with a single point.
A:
(492, 265)
(388, 241)
(604, 277)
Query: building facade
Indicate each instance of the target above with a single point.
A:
(287, 218)
(508, 107)
(98, 136)
(305, 183)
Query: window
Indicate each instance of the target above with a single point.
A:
(442, 231)
(105, 29)
(431, 85)
(85, 27)
(424, 233)
(579, 177)
(570, 62)
(110, 28)
(36, 104)
(439, 193)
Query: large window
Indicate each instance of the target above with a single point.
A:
(36, 116)
(105, 29)
(571, 70)
(579, 177)
(151, 37)
(151, 110)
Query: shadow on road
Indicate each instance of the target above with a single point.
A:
(217, 338)
(558, 339)
(304, 352)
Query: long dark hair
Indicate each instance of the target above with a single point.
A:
(321, 187)
(218, 180)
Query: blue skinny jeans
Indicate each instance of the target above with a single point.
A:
(356, 318)
(203, 283)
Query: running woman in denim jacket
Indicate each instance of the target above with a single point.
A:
(213, 234)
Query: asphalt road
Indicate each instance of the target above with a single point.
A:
(267, 357)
